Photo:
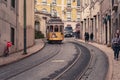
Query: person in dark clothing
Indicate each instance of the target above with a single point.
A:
(91, 36)
(87, 35)
(78, 34)
(116, 46)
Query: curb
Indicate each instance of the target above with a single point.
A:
(4, 64)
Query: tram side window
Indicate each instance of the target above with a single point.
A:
(61, 28)
(47, 30)
(51, 28)
(56, 29)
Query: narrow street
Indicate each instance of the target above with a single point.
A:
(67, 61)
(60, 40)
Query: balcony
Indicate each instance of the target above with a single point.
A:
(114, 5)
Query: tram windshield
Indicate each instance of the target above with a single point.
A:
(56, 28)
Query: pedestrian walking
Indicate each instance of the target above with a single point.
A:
(116, 46)
(85, 36)
(77, 32)
(91, 36)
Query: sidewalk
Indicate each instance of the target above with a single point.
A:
(39, 44)
(114, 66)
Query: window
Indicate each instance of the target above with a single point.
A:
(54, 2)
(54, 12)
(36, 2)
(61, 28)
(78, 2)
(44, 1)
(69, 3)
(12, 35)
(13, 3)
(56, 28)
(78, 16)
(44, 10)
(68, 16)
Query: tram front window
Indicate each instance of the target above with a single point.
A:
(56, 29)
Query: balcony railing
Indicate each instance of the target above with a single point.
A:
(114, 5)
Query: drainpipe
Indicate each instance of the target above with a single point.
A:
(25, 34)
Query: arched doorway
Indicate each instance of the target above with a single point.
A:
(37, 26)
(38, 33)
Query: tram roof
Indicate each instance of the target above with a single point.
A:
(55, 20)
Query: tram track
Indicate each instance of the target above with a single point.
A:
(87, 67)
(57, 77)
(20, 70)
(75, 68)
(77, 74)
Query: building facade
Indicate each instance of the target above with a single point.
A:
(12, 24)
(41, 21)
(102, 17)
(115, 16)
(105, 13)
(67, 10)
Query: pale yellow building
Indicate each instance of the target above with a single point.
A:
(67, 10)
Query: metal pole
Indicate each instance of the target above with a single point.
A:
(25, 48)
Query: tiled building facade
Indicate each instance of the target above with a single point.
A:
(67, 10)
(11, 24)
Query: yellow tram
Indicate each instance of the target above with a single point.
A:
(54, 30)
